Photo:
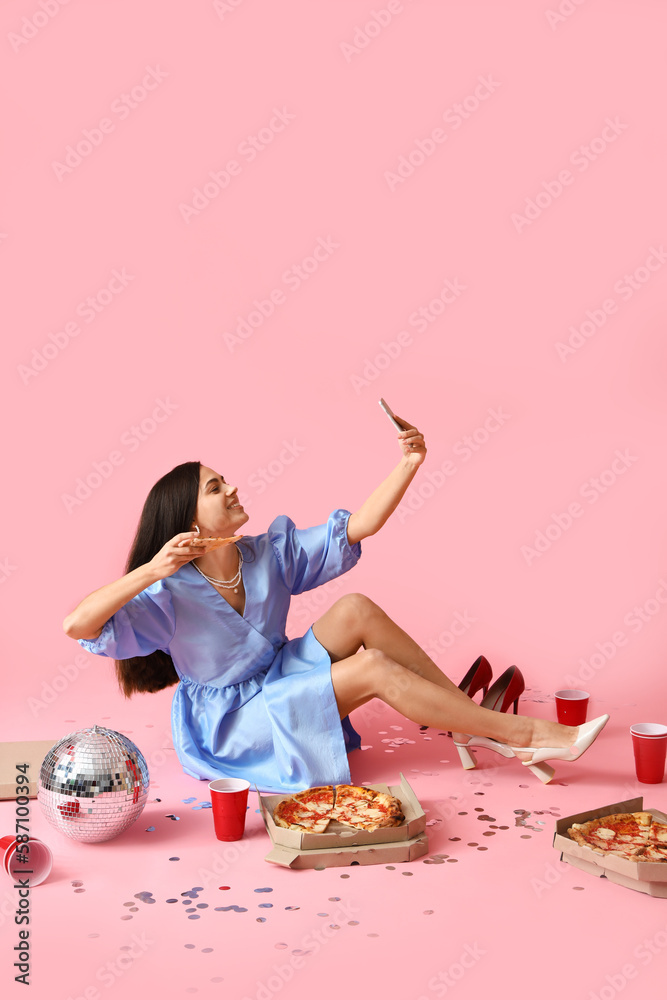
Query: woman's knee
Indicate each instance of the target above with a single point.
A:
(356, 609)
(388, 678)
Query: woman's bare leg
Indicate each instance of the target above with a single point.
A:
(371, 673)
(355, 621)
(416, 688)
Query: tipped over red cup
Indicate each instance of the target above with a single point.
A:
(571, 706)
(649, 741)
(26, 860)
(229, 799)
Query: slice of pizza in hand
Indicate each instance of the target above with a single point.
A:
(212, 543)
(308, 811)
(365, 808)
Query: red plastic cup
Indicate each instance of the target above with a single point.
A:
(36, 867)
(571, 706)
(649, 741)
(229, 798)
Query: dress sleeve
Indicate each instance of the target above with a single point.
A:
(144, 624)
(309, 557)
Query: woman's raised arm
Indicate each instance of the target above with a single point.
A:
(385, 499)
(89, 617)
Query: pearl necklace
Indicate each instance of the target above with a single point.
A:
(226, 584)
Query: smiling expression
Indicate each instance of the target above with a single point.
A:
(219, 512)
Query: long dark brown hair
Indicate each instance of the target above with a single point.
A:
(169, 509)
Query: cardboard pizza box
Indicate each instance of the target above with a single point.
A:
(644, 876)
(339, 836)
(31, 753)
(337, 857)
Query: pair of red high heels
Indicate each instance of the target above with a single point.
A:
(505, 691)
(507, 688)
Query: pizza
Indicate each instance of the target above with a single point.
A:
(365, 809)
(634, 836)
(212, 543)
(362, 808)
(308, 810)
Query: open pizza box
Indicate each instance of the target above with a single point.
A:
(341, 845)
(644, 876)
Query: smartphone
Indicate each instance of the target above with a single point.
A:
(391, 416)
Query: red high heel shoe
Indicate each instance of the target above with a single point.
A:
(505, 691)
(479, 676)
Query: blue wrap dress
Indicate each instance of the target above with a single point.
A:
(250, 703)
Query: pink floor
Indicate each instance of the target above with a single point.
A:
(489, 911)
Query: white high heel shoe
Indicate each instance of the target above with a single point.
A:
(586, 735)
(468, 761)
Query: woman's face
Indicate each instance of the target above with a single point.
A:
(219, 513)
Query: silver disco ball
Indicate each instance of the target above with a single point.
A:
(93, 784)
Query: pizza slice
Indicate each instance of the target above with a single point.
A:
(309, 811)
(365, 808)
(212, 543)
(658, 834)
(652, 853)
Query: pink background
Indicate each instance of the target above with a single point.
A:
(298, 399)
